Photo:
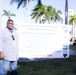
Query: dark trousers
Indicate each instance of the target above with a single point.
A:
(14, 73)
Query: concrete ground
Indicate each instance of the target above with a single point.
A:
(72, 52)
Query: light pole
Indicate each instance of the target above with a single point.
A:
(66, 11)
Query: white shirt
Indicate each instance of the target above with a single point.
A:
(8, 45)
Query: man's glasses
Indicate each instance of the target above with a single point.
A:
(13, 37)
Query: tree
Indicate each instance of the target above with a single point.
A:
(48, 13)
(48, 10)
(20, 2)
(25, 4)
(41, 11)
(8, 14)
(56, 15)
(38, 11)
(72, 19)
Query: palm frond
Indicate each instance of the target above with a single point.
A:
(37, 17)
(12, 15)
(20, 2)
(72, 19)
(34, 15)
(8, 14)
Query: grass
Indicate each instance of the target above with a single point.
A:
(48, 67)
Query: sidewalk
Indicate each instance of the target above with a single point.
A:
(72, 52)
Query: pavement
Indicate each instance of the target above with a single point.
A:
(72, 52)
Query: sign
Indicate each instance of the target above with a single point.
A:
(43, 41)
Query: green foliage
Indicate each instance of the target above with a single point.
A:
(8, 14)
(47, 12)
(20, 2)
(72, 19)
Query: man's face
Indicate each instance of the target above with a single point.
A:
(10, 24)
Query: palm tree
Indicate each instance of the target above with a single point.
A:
(56, 15)
(25, 4)
(8, 14)
(38, 11)
(42, 11)
(21, 2)
(47, 12)
(72, 20)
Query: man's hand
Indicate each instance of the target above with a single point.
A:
(1, 55)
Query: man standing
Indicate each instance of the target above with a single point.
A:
(9, 47)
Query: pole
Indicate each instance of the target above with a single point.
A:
(66, 12)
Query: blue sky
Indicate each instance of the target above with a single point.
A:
(58, 4)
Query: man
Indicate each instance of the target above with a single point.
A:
(9, 47)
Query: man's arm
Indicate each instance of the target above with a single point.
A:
(1, 45)
(1, 40)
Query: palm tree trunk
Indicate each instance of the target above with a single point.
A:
(9, 18)
(26, 13)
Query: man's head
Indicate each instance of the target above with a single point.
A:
(10, 24)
